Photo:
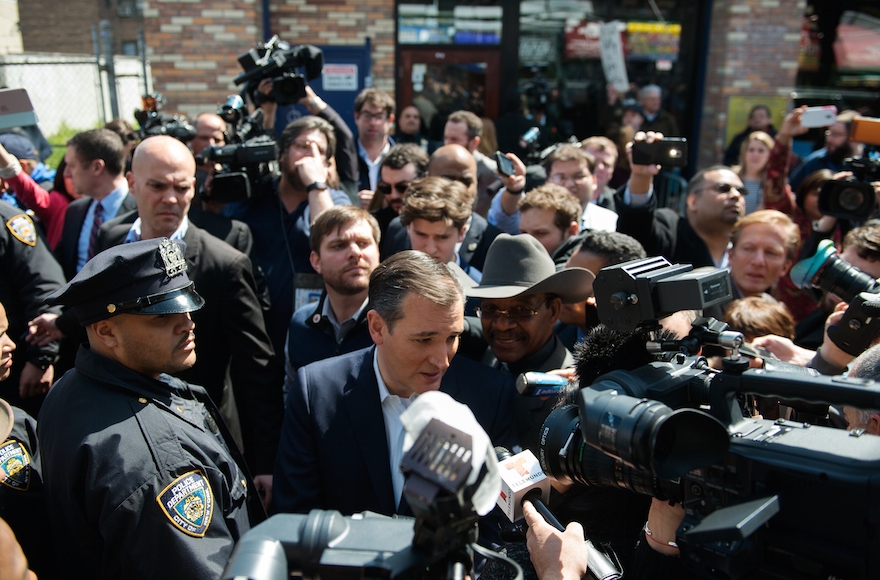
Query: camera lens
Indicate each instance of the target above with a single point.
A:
(826, 271)
(567, 458)
(648, 435)
(851, 198)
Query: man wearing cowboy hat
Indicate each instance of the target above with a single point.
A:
(522, 296)
(142, 477)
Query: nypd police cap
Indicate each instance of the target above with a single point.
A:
(146, 277)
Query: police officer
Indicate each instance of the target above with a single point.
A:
(28, 274)
(21, 487)
(143, 479)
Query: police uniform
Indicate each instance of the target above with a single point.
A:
(142, 479)
(21, 487)
(28, 274)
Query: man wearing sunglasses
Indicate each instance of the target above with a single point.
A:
(456, 163)
(715, 201)
(402, 165)
(522, 296)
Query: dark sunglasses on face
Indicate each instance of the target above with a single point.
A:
(385, 188)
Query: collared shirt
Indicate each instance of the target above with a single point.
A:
(134, 234)
(373, 165)
(111, 205)
(393, 407)
(340, 330)
(596, 217)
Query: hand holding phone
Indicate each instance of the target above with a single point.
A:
(505, 165)
(667, 152)
(824, 116)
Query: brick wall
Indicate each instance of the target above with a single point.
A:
(193, 46)
(66, 27)
(753, 51)
(342, 22)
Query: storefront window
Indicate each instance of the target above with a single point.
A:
(571, 50)
(459, 24)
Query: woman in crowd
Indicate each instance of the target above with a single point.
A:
(752, 168)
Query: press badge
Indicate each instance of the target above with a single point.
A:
(188, 503)
(15, 465)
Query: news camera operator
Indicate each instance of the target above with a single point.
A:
(345, 153)
(280, 219)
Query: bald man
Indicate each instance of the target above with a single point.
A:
(456, 163)
(230, 331)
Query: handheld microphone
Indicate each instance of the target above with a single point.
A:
(522, 479)
(535, 384)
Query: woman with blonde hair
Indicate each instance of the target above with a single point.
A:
(752, 169)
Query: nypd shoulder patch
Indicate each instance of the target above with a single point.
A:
(22, 227)
(15, 465)
(188, 503)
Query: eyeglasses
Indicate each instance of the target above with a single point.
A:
(517, 313)
(373, 116)
(726, 188)
(385, 188)
(562, 179)
(305, 147)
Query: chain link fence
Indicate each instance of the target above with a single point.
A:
(72, 92)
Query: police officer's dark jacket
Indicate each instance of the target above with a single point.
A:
(141, 482)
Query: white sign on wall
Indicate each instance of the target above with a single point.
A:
(340, 77)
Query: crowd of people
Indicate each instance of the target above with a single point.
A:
(179, 366)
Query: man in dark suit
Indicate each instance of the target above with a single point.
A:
(96, 164)
(456, 163)
(230, 330)
(342, 438)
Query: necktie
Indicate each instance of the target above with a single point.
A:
(93, 235)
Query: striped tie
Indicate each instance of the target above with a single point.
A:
(93, 235)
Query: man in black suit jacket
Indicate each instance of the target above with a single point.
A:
(701, 237)
(95, 163)
(230, 331)
(341, 442)
(456, 163)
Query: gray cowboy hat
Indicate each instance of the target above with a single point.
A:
(520, 266)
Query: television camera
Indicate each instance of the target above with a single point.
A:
(853, 197)
(451, 479)
(247, 161)
(826, 271)
(279, 61)
(153, 123)
(762, 498)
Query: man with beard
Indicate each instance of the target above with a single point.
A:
(714, 203)
(280, 220)
(837, 148)
(345, 251)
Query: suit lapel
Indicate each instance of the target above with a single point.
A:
(365, 413)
